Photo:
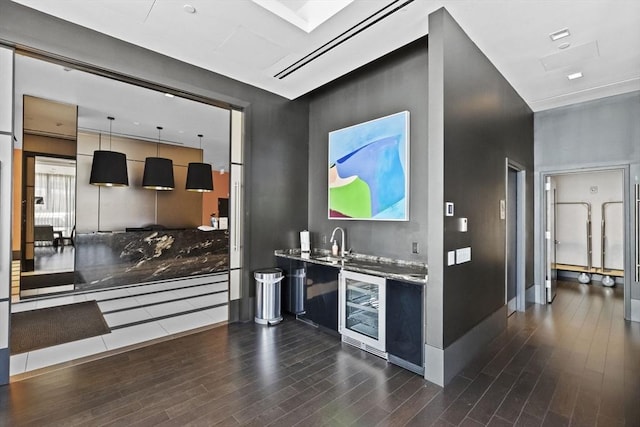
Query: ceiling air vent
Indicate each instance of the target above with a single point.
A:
(376, 17)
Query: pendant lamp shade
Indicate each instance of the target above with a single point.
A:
(158, 171)
(109, 168)
(158, 174)
(199, 177)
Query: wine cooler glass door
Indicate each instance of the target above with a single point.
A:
(363, 308)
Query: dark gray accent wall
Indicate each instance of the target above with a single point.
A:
(485, 121)
(394, 83)
(276, 128)
(278, 182)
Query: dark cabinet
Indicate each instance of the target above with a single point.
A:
(405, 324)
(321, 296)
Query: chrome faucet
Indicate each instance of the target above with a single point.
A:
(333, 233)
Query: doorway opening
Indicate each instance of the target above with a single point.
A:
(49, 218)
(49, 199)
(55, 208)
(515, 238)
(584, 223)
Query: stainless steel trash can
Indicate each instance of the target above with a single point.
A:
(268, 296)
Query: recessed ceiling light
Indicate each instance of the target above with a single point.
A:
(560, 34)
(168, 95)
(188, 8)
(574, 76)
(564, 45)
(180, 131)
(136, 123)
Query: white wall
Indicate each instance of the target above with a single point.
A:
(594, 188)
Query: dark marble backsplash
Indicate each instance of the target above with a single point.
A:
(105, 260)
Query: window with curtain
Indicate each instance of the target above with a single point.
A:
(55, 201)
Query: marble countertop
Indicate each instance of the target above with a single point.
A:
(407, 271)
(105, 259)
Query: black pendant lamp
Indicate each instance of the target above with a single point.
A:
(158, 171)
(199, 177)
(109, 168)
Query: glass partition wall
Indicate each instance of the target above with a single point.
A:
(57, 202)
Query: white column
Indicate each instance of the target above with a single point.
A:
(6, 169)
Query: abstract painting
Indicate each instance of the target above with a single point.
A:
(369, 170)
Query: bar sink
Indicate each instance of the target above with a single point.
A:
(329, 258)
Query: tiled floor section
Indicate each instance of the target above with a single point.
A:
(135, 314)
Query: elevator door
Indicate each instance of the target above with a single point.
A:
(512, 239)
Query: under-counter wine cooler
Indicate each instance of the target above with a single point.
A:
(361, 314)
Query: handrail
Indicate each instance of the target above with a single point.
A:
(603, 234)
(637, 231)
(237, 216)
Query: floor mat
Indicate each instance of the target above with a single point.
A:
(46, 327)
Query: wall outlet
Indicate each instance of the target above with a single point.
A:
(324, 239)
(414, 247)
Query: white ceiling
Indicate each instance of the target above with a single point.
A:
(242, 40)
(137, 111)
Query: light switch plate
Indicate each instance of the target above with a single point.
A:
(451, 257)
(463, 255)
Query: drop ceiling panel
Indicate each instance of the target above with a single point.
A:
(573, 56)
(266, 53)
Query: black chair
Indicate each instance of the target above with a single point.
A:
(63, 240)
(43, 235)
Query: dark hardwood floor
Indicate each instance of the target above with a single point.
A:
(576, 362)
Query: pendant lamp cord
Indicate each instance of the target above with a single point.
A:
(111, 119)
(155, 212)
(158, 144)
(201, 153)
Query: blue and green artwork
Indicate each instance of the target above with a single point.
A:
(368, 170)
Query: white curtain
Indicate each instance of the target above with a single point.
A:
(58, 193)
